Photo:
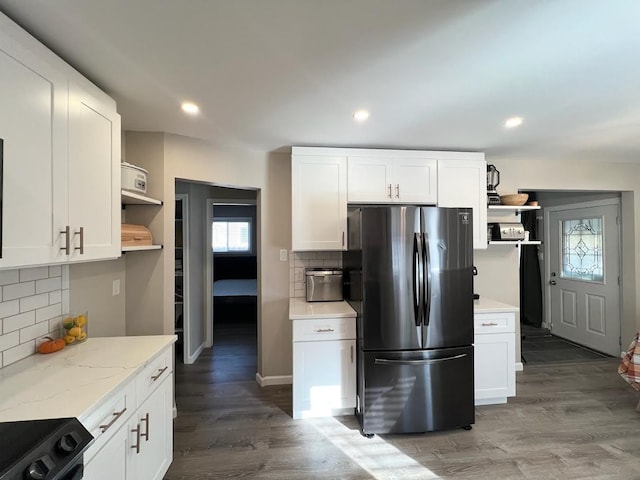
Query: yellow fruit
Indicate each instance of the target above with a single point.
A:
(81, 321)
(74, 332)
(69, 339)
(68, 322)
(82, 336)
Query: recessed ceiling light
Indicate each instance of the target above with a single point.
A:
(361, 115)
(190, 108)
(513, 122)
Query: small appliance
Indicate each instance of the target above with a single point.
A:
(507, 231)
(323, 284)
(134, 178)
(493, 180)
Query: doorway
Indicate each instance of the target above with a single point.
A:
(583, 272)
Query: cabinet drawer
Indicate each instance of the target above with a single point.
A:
(324, 329)
(494, 323)
(109, 416)
(153, 374)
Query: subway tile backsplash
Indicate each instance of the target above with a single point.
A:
(301, 260)
(32, 301)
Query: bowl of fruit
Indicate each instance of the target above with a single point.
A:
(75, 328)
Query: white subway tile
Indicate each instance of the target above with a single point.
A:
(55, 297)
(18, 353)
(65, 277)
(33, 302)
(34, 331)
(1, 362)
(17, 322)
(9, 276)
(27, 274)
(48, 284)
(55, 271)
(55, 326)
(18, 290)
(9, 308)
(9, 340)
(47, 313)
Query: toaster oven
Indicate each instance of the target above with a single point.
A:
(323, 284)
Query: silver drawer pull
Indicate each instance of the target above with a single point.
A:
(116, 416)
(145, 435)
(159, 374)
(324, 330)
(137, 432)
(492, 324)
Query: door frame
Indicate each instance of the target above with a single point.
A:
(547, 258)
(186, 330)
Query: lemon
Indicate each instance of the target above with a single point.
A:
(69, 339)
(74, 332)
(81, 321)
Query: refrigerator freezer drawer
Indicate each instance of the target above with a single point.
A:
(416, 391)
(324, 329)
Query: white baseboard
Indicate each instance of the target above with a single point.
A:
(519, 367)
(196, 354)
(274, 380)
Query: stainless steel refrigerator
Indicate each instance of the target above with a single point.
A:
(409, 276)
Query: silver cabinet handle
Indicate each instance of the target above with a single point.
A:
(324, 330)
(81, 247)
(343, 238)
(397, 190)
(137, 432)
(116, 416)
(351, 353)
(146, 430)
(389, 191)
(159, 374)
(67, 241)
(491, 324)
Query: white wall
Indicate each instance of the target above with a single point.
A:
(498, 266)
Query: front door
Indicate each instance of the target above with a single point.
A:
(583, 275)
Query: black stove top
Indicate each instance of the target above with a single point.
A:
(42, 449)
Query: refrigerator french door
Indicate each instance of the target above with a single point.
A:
(409, 273)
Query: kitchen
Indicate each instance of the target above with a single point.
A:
(146, 301)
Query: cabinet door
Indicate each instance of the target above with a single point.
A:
(415, 180)
(494, 368)
(94, 177)
(151, 435)
(33, 128)
(462, 183)
(323, 377)
(110, 462)
(370, 180)
(319, 202)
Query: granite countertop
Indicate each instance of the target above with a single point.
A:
(487, 305)
(300, 309)
(70, 382)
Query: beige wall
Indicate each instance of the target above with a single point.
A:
(91, 290)
(498, 265)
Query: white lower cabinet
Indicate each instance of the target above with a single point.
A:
(133, 429)
(494, 357)
(324, 367)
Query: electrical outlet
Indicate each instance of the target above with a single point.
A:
(115, 288)
(283, 255)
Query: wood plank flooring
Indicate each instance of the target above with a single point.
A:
(568, 421)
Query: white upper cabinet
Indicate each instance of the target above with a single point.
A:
(33, 97)
(462, 183)
(392, 179)
(94, 176)
(318, 200)
(61, 178)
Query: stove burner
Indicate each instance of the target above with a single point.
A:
(42, 449)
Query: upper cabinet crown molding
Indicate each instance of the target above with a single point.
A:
(61, 158)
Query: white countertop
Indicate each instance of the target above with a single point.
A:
(70, 382)
(487, 305)
(300, 309)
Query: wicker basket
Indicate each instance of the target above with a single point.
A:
(515, 199)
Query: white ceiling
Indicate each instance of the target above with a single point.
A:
(435, 74)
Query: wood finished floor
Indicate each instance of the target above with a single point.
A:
(568, 421)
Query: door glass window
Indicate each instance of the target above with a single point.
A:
(582, 246)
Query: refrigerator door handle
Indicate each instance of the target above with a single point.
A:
(426, 361)
(426, 281)
(417, 279)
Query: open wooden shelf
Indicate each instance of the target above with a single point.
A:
(131, 198)
(141, 247)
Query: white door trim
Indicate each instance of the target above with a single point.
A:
(208, 271)
(186, 334)
(547, 243)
